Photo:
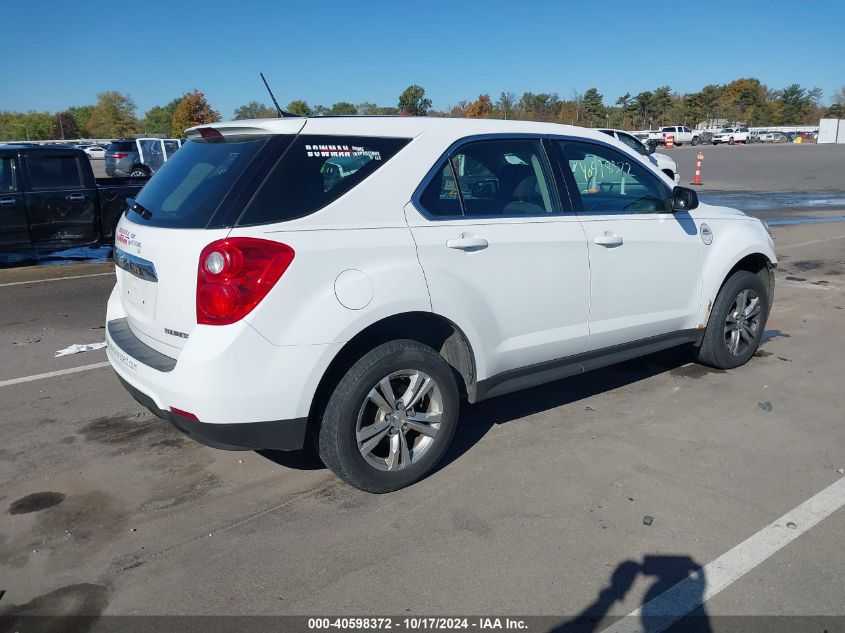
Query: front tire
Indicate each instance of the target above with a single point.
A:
(694, 141)
(736, 323)
(390, 418)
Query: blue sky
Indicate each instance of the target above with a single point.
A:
(60, 54)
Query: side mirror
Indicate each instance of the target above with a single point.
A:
(684, 199)
(652, 146)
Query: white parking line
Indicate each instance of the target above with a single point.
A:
(52, 374)
(41, 281)
(677, 601)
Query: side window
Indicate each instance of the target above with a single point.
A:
(441, 196)
(315, 171)
(53, 172)
(633, 143)
(610, 182)
(8, 182)
(508, 177)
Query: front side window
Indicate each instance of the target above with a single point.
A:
(610, 182)
(315, 171)
(508, 177)
(53, 172)
(7, 176)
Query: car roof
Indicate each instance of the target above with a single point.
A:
(22, 147)
(400, 127)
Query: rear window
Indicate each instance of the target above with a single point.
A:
(315, 171)
(188, 189)
(121, 146)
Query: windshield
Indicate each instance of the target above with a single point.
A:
(187, 189)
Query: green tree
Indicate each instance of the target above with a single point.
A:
(368, 109)
(341, 108)
(835, 111)
(113, 116)
(64, 126)
(543, 106)
(413, 101)
(159, 119)
(192, 110)
(81, 114)
(299, 107)
(593, 105)
(796, 102)
(255, 110)
(505, 106)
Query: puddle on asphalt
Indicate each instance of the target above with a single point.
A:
(762, 201)
(791, 221)
(54, 258)
(768, 335)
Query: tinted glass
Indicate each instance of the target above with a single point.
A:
(189, 187)
(53, 172)
(508, 177)
(633, 143)
(121, 146)
(7, 176)
(611, 182)
(441, 195)
(314, 171)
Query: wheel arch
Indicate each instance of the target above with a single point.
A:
(431, 329)
(753, 261)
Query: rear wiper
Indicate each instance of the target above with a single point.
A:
(139, 208)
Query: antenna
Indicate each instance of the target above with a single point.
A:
(282, 113)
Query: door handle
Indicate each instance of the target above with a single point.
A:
(75, 197)
(467, 242)
(7, 202)
(608, 240)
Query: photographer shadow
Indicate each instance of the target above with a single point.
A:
(673, 602)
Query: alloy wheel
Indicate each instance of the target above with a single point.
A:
(743, 322)
(399, 420)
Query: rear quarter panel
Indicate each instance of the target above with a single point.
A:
(304, 307)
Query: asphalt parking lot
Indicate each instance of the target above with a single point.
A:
(538, 508)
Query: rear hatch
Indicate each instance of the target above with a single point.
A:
(191, 201)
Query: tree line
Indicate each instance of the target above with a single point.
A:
(744, 100)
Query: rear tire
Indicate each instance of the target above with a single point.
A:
(736, 323)
(139, 172)
(377, 436)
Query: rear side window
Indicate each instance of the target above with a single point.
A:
(7, 176)
(121, 146)
(54, 172)
(187, 190)
(315, 171)
(508, 177)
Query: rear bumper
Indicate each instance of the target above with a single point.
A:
(282, 435)
(247, 392)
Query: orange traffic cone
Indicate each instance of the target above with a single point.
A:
(697, 180)
(670, 141)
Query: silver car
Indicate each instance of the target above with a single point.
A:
(140, 157)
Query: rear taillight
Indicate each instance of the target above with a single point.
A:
(235, 274)
(117, 156)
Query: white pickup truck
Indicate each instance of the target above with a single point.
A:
(680, 133)
(731, 135)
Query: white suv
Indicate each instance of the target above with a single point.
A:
(731, 135)
(664, 163)
(266, 299)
